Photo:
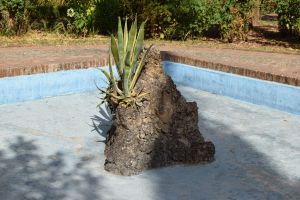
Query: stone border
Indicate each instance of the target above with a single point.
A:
(166, 56)
(18, 71)
(173, 57)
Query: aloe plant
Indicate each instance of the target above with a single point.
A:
(126, 50)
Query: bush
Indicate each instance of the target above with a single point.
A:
(169, 19)
(106, 16)
(182, 19)
(13, 16)
(289, 16)
(268, 6)
(236, 19)
(81, 15)
(155, 12)
(193, 18)
(17, 16)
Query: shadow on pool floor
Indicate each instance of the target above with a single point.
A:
(241, 170)
(26, 174)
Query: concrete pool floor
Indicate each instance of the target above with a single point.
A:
(49, 150)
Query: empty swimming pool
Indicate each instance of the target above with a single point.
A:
(51, 150)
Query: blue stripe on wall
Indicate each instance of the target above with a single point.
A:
(275, 95)
(25, 88)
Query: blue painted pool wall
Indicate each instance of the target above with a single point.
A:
(275, 95)
(38, 86)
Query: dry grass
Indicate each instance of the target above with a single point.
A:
(37, 38)
(249, 46)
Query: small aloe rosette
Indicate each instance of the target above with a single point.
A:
(126, 52)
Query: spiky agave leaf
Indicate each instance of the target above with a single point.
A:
(115, 53)
(106, 74)
(121, 47)
(136, 50)
(139, 42)
(129, 51)
(125, 40)
(126, 80)
(139, 69)
(113, 79)
(125, 52)
(131, 42)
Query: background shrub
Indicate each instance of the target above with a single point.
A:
(289, 16)
(167, 19)
(13, 16)
(236, 19)
(193, 18)
(268, 6)
(106, 16)
(182, 19)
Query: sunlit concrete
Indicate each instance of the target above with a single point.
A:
(50, 150)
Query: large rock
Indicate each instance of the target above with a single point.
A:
(162, 132)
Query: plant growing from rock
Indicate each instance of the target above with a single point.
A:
(163, 131)
(126, 51)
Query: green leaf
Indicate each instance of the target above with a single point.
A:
(121, 46)
(125, 39)
(112, 77)
(131, 42)
(115, 53)
(139, 69)
(139, 43)
(106, 74)
(126, 80)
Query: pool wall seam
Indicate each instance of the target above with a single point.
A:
(275, 95)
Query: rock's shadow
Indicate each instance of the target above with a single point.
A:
(239, 172)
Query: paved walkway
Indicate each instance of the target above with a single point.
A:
(16, 61)
(283, 68)
(278, 67)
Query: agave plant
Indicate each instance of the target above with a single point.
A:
(126, 51)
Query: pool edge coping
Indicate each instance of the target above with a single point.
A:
(165, 56)
(173, 57)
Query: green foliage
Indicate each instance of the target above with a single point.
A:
(236, 19)
(81, 21)
(13, 16)
(193, 18)
(289, 16)
(268, 6)
(156, 12)
(182, 19)
(106, 16)
(167, 19)
(18, 16)
(126, 51)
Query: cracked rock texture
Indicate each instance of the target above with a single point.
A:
(162, 132)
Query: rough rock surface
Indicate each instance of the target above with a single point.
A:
(162, 132)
